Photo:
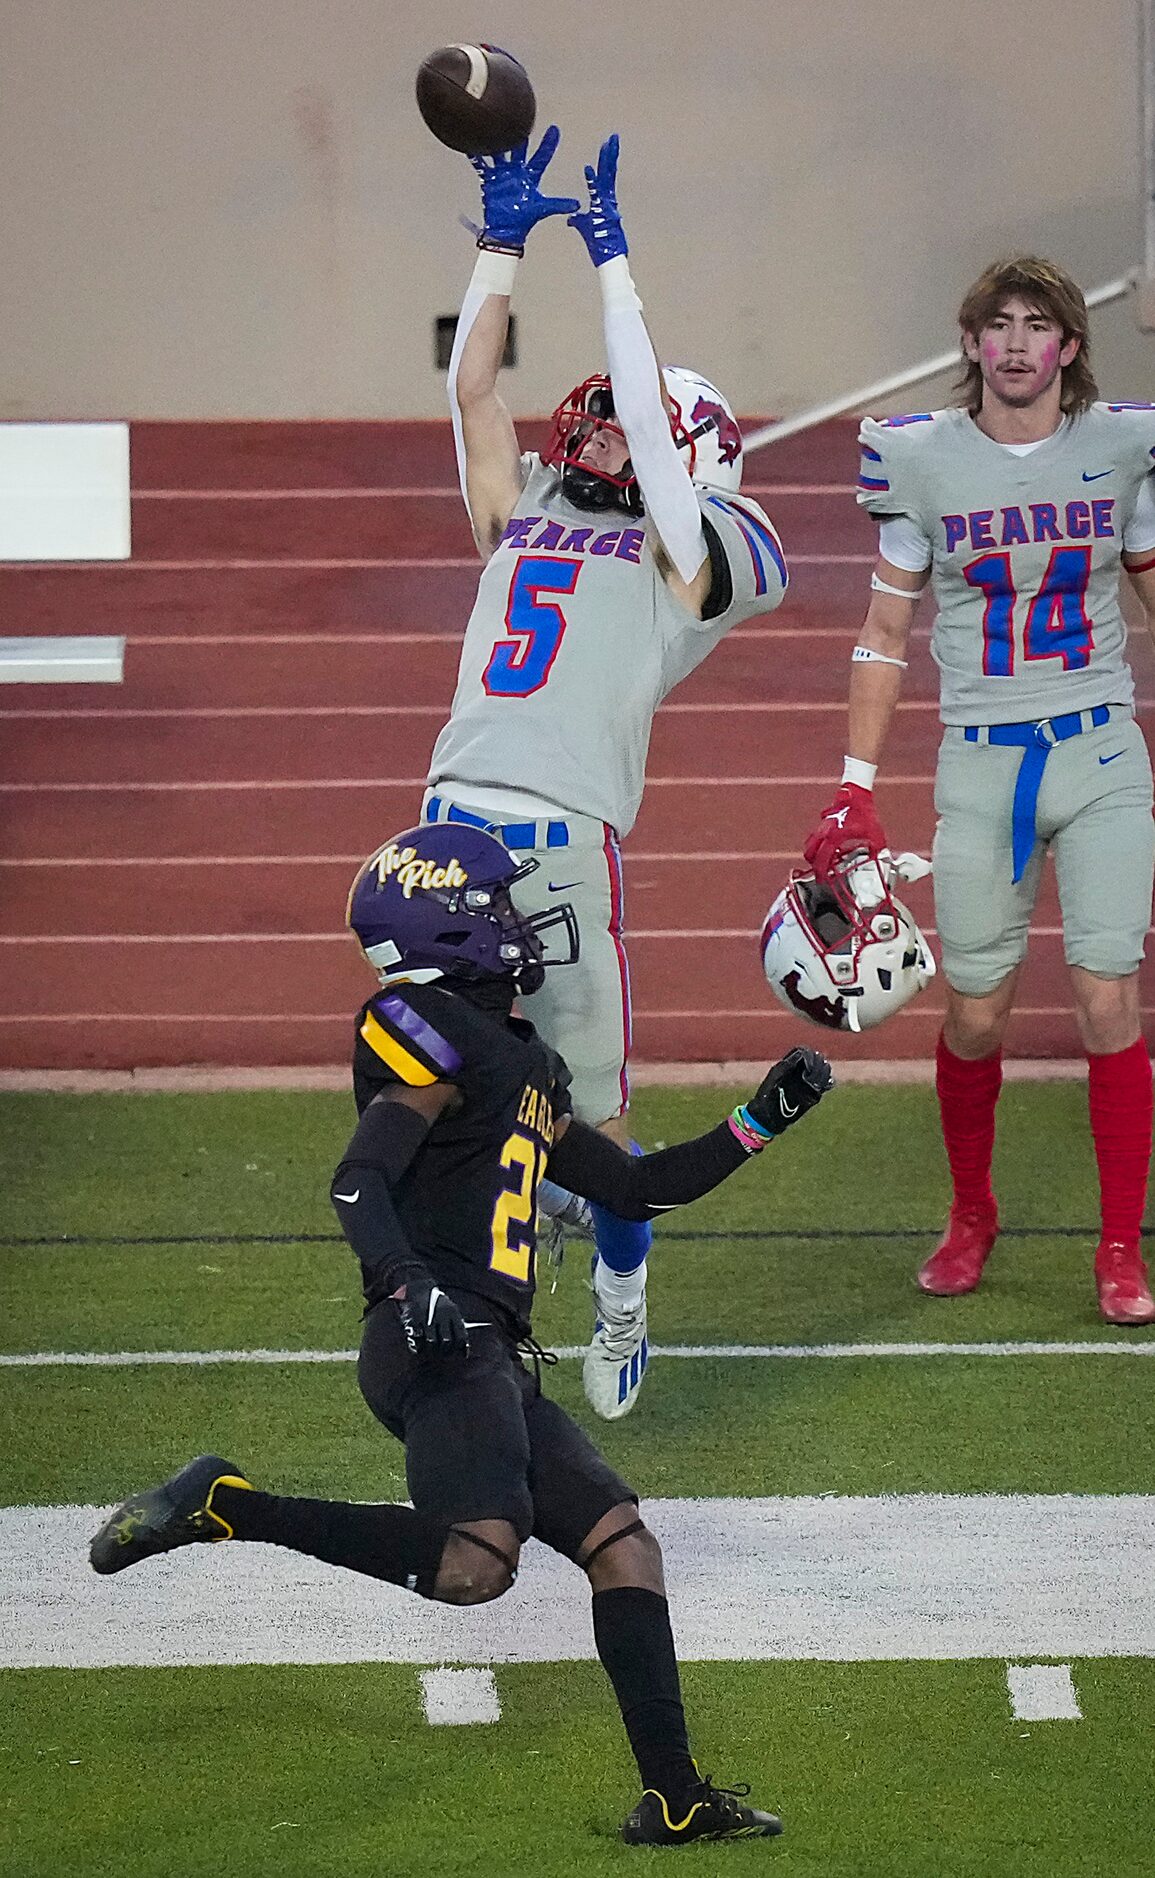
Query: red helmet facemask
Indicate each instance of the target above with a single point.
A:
(587, 410)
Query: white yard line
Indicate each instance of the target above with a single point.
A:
(126, 1359)
(453, 1697)
(1042, 1692)
(907, 1577)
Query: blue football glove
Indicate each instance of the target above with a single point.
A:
(511, 202)
(600, 226)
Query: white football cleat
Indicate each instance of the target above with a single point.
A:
(616, 1359)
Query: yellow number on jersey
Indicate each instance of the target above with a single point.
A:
(514, 1223)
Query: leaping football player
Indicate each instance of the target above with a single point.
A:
(461, 1107)
(1020, 508)
(614, 562)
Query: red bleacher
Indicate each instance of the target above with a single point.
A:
(175, 852)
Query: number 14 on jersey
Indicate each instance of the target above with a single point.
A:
(1056, 623)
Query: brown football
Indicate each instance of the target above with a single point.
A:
(476, 98)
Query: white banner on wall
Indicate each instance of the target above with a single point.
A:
(64, 492)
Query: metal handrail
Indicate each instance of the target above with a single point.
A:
(898, 381)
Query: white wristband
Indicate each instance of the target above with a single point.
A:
(866, 655)
(854, 770)
(494, 273)
(617, 285)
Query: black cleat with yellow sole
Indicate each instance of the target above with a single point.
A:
(704, 1812)
(179, 1512)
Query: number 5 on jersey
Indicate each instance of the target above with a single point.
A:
(521, 664)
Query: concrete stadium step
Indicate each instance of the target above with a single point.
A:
(217, 601)
(78, 825)
(276, 598)
(86, 1040)
(763, 661)
(252, 896)
(372, 453)
(427, 526)
(710, 742)
(247, 974)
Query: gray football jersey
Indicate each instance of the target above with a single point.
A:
(1026, 553)
(575, 639)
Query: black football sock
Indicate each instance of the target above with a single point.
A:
(636, 1644)
(391, 1542)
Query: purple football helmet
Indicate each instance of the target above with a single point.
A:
(436, 900)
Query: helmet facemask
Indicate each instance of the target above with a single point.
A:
(435, 902)
(588, 410)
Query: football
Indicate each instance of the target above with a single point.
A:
(476, 98)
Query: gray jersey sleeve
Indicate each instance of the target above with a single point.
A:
(745, 539)
(886, 486)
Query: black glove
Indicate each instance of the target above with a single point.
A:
(788, 1091)
(433, 1325)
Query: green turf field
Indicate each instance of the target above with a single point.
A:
(201, 1223)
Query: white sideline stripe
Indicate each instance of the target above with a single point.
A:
(569, 1353)
(452, 1697)
(1042, 1692)
(909, 1576)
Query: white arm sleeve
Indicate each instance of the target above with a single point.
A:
(670, 499)
(494, 273)
(1139, 534)
(903, 544)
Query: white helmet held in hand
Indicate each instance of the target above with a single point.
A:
(844, 952)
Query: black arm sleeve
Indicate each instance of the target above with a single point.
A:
(721, 593)
(384, 1143)
(637, 1186)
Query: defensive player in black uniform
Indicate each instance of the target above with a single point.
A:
(461, 1107)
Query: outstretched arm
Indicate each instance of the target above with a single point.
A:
(488, 458)
(642, 1186)
(670, 499)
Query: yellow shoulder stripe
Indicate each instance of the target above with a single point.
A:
(395, 1054)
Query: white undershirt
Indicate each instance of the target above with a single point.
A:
(902, 542)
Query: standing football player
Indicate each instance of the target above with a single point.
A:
(461, 1108)
(1020, 508)
(614, 562)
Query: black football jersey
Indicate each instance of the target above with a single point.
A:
(468, 1201)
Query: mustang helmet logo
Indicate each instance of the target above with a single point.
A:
(705, 413)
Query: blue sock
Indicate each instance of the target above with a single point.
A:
(622, 1243)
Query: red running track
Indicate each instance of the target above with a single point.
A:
(174, 854)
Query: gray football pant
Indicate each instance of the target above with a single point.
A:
(1093, 816)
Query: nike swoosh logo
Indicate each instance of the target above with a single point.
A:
(1111, 758)
(350, 1197)
(1098, 476)
(563, 886)
(786, 1108)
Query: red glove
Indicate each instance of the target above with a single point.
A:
(848, 826)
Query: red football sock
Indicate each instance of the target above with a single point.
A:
(1119, 1093)
(967, 1094)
